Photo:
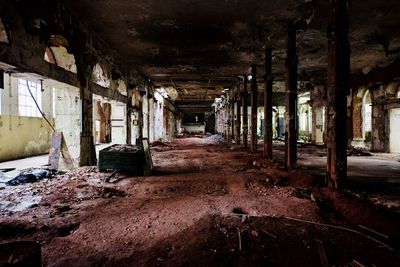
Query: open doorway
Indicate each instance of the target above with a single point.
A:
(394, 141)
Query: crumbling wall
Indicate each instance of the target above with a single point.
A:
(357, 113)
(380, 131)
(67, 116)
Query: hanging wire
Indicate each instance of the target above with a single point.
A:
(37, 105)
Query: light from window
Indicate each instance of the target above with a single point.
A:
(26, 105)
(53, 101)
(398, 94)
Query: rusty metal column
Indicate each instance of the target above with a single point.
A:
(254, 104)
(245, 112)
(291, 99)
(338, 84)
(238, 117)
(267, 149)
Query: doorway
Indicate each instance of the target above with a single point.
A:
(394, 140)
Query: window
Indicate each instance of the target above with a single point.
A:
(26, 105)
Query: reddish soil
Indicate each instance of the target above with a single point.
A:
(185, 215)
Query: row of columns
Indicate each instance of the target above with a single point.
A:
(338, 84)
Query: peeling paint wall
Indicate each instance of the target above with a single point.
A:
(158, 117)
(67, 116)
(381, 97)
(22, 136)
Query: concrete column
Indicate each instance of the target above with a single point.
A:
(148, 112)
(87, 152)
(141, 123)
(129, 114)
(338, 84)
(238, 117)
(254, 105)
(245, 115)
(232, 115)
(267, 148)
(291, 99)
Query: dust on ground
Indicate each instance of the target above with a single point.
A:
(202, 206)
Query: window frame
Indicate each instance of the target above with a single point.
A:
(26, 105)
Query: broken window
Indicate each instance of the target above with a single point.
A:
(26, 104)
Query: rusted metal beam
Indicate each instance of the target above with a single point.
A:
(291, 99)
(245, 113)
(338, 86)
(267, 148)
(254, 105)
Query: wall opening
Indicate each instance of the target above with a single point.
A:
(367, 116)
(394, 141)
(100, 76)
(56, 53)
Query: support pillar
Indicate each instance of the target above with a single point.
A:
(254, 104)
(232, 115)
(238, 118)
(291, 99)
(245, 112)
(129, 109)
(87, 150)
(267, 147)
(338, 84)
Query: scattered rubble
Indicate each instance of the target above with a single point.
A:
(358, 151)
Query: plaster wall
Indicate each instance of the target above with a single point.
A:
(22, 136)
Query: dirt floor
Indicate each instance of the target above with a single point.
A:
(208, 203)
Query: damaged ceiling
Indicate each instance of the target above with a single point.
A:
(201, 47)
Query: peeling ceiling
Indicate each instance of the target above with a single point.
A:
(199, 48)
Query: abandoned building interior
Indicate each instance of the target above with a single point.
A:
(199, 133)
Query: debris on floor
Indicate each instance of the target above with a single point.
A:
(358, 151)
(14, 178)
(206, 204)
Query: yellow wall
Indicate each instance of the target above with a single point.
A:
(23, 136)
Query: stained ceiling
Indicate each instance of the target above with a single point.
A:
(201, 47)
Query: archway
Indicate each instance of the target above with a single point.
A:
(367, 116)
